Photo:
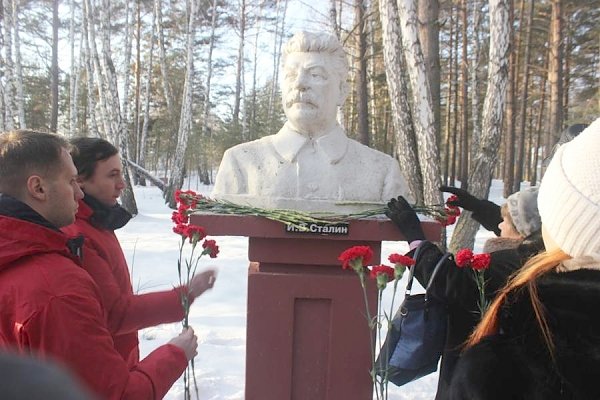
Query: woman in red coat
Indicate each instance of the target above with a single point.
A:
(100, 175)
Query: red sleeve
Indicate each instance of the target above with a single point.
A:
(128, 312)
(72, 330)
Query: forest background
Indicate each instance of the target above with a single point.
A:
(460, 91)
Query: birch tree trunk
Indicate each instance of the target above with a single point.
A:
(406, 145)
(54, 69)
(93, 129)
(147, 95)
(94, 58)
(464, 100)
(509, 137)
(206, 129)
(474, 74)
(255, 64)
(74, 76)
(9, 87)
(163, 58)
(481, 171)
(423, 116)
(362, 106)
(429, 31)
(333, 18)
(448, 163)
(185, 117)
(20, 98)
(277, 44)
(119, 131)
(126, 75)
(377, 117)
(240, 63)
(2, 62)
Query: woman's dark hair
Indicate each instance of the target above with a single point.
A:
(88, 151)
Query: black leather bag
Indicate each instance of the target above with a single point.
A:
(415, 342)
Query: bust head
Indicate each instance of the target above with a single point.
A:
(314, 73)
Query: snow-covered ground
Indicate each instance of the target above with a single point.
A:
(219, 316)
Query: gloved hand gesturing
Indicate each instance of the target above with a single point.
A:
(465, 199)
(485, 212)
(405, 218)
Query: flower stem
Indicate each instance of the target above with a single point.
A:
(361, 275)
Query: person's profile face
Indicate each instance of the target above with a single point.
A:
(106, 183)
(311, 91)
(63, 193)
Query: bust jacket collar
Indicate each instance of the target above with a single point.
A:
(288, 143)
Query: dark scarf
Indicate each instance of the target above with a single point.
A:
(105, 217)
(11, 207)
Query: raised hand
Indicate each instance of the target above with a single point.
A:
(202, 282)
(484, 211)
(405, 218)
(464, 199)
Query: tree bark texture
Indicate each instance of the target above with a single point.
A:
(493, 106)
(406, 145)
(361, 75)
(555, 76)
(185, 117)
(423, 116)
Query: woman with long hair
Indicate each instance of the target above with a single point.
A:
(540, 338)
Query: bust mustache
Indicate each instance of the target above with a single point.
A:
(300, 98)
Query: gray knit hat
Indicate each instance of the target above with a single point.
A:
(569, 198)
(523, 209)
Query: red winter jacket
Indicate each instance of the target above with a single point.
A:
(103, 258)
(51, 307)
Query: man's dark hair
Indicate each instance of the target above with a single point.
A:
(27, 152)
(88, 151)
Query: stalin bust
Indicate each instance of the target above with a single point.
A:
(310, 164)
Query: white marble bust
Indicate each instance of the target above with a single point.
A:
(310, 164)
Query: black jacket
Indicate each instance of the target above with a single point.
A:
(460, 292)
(516, 363)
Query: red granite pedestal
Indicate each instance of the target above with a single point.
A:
(307, 333)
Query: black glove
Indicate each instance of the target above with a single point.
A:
(405, 218)
(484, 211)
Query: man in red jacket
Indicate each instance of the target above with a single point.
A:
(100, 176)
(51, 307)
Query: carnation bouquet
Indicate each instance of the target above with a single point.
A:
(186, 266)
(478, 263)
(358, 259)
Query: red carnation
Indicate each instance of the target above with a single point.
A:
(177, 196)
(179, 217)
(452, 199)
(400, 259)
(382, 270)
(463, 258)
(195, 233)
(364, 253)
(480, 262)
(453, 211)
(180, 229)
(210, 248)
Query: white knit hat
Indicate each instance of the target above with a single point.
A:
(523, 210)
(569, 196)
